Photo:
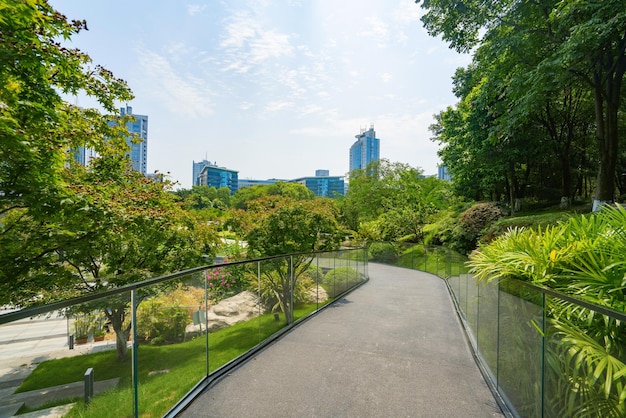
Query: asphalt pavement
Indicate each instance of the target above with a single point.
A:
(392, 348)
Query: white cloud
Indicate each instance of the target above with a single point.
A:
(376, 29)
(195, 9)
(408, 12)
(247, 42)
(386, 77)
(186, 95)
(276, 106)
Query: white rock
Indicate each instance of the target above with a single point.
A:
(241, 307)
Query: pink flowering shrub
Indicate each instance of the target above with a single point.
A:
(224, 282)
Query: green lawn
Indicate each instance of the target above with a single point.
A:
(165, 373)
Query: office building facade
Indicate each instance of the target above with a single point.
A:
(365, 150)
(197, 169)
(137, 141)
(212, 175)
(322, 184)
(443, 174)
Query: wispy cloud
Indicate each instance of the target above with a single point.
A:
(195, 9)
(408, 12)
(181, 94)
(276, 106)
(376, 29)
(247, 42)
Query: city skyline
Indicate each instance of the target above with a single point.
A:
(274, 89)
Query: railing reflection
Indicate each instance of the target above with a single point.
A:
(154, 345)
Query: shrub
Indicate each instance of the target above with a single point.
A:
(271, 282)
(159, 323)
(339, 280)
(382, 251)
(472, 223)
(226, 281)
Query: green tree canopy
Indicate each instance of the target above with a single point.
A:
(66, 229)
(275, 225)
(392, 202)
(569, 40)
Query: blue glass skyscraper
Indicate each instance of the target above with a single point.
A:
(365, 150)
(138, 141)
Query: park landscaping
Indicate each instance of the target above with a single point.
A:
(165, 373)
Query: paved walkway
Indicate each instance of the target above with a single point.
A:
(392, 348)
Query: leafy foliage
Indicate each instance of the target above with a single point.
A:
(276, 225)
(583, 256)
(340, 279)
(66, 229)
(544, 74)
(392, 201)
(471, 225)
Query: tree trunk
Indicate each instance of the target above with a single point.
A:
(116, 317)
(607, 100)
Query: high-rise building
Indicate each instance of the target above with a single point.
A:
(323, 184)
(197, 169)
(212, 175)
(83, 155)
(365, 150)
(138, 140)
(443, 174)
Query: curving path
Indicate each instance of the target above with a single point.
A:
(392, 348)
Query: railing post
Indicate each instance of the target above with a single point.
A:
(291, 290)
(135, 359)
(207, 358)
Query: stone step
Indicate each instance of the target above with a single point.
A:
(55, 412)
(10, 409)
(37, 398)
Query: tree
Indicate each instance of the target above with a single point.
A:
(65, 229)
(393, 203)
(279, 225)
(294, 190)
(584, 39)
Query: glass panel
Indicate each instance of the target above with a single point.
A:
(463, 294)
(343, 276)
(471, 312)
(45, 357)
(454, 285)
(488, 326)
(306, 277)
(171, 340)
(325, 263)
(239, 322)
(520, 347)
(585, 373)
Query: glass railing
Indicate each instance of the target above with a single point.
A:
(148, 348)
(544, 354)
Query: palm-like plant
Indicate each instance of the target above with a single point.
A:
(585, 351)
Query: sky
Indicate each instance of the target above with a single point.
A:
(272, 88)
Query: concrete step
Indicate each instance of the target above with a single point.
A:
(10, 409)
(40, 397)
(56, 412)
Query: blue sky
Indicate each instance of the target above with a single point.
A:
(272, 88)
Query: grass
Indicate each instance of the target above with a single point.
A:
(165, 373)
(532, 220)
